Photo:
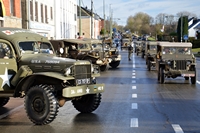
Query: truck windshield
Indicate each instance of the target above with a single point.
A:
(35, 47)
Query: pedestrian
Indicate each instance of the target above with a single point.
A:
(130, 51)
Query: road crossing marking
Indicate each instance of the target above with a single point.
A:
(134, 122)
(177, 128)
(134, 106)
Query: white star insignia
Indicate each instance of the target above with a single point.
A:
(87, 90)
(5, 78)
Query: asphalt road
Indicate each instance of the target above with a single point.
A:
(133, 102)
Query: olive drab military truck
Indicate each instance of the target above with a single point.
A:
(113, 52)
(80, 49)
(175, 59)
(150, 52)
(31, 69)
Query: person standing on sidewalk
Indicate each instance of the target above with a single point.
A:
(130, 51)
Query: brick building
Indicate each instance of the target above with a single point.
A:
(11, 13)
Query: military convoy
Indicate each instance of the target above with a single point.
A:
(31, 69)
(171, 59)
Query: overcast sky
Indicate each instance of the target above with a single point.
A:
(124, 8)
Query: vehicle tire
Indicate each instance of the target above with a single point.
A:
(149, 65)
(193, 79)
(41, 105)
(114, 64)
(142, 55)
(4, 101)
(103, 67)
(162, 76)
(87, 103)
(186, 78)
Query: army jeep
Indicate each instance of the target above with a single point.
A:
(150, 52)
(31, 69)
(80, 49)
(175, 59)
(139, 46)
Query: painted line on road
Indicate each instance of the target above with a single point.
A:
(133, 71)
(133, 77)
(133, 65)
(134, 106)
(11, 111)
(177, 128)
(134, 122)
(133, 74)
(133, 87)
(198, 82)
(134, 95)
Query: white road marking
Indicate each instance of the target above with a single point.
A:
(11, 111)
(133, 65)
(134, 95)
(133, 77)
(134, 122)
(134, 106)
(133, 73)
(198, 82)
(133, 81)
(133, 87)
(177, 128)
(133, 70)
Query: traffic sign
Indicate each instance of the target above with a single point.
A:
(185, 37)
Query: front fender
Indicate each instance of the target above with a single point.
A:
(36, 78)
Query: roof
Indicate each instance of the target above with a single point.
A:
(174, 44)
(194, 23)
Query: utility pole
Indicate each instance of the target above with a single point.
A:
(110, 22)
(91, 18)
(80, 19)
(181, 27)
(104, 17)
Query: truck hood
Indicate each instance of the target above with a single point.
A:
(48, 62)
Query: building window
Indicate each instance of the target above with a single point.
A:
(36, 11)
(31, 10)
(12, 10)
(46, 15)
(42, 17)
(51, 9)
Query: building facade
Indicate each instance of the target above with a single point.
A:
(65, 19)
(11, 13)
(38, 16)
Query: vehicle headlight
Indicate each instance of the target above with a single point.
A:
(67, 72)
(97, 54)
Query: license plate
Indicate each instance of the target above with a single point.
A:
(83, 81)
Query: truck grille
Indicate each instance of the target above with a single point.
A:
(179, 65)
(82, 74)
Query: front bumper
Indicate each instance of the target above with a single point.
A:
(76, 91)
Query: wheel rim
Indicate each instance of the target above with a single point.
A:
(38, 104)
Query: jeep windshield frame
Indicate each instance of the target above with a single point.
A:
(35, 47)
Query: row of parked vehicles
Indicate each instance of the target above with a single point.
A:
(170, 59)
(48, 73)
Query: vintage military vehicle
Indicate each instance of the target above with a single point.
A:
(80, 49)
(143, 48)
(31, 69)
(113, 52)
(150, 52)
(139, 46)
(175, 59)
(126, 40)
